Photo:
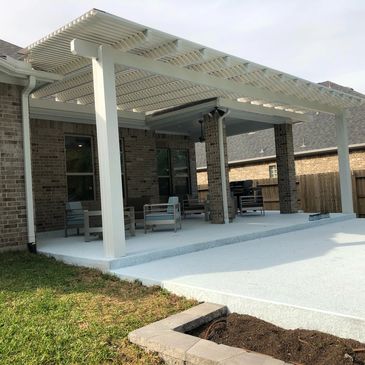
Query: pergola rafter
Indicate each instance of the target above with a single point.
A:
(52, 54)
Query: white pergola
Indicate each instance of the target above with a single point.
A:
(120, 66)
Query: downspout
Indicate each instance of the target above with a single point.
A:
(28, 162)
(223, 166)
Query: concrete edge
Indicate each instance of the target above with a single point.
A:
(101, 265)
(281, 314)
(201, 246)
(167, 338)
(114, 264)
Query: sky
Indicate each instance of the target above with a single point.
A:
(317, 40)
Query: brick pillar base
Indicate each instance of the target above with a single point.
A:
(211, 135)
(286, 168)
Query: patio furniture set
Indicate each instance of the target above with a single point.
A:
(155, 215)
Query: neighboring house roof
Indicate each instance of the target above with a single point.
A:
(315, 135)
(9, 49)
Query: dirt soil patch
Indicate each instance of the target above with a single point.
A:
(301, 347)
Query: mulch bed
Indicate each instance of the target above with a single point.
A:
(300, 347)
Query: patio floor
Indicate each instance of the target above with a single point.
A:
(196, 235)
(312, 279)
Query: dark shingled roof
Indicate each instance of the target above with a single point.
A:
(317, 134)
(9, 49)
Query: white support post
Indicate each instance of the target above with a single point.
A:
(27, 159)
(109, 153)
(344, 163)
(222, 163)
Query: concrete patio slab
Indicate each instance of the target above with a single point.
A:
(311, 279)
(196, 235)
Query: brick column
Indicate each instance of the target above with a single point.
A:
(213, 168)
(286, 168)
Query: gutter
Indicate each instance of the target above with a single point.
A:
(22, 73)
(21, 69)
(28, 162)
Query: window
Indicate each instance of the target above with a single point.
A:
(180, 172)
(122, 167)
(79, 168)
(173, 171)
(273, 171)
(163, 170)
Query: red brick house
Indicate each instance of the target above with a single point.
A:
(105, 110)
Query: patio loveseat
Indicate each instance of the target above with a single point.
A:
(163, 214)
(91, 229)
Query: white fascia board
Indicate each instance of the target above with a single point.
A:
(21, 69)
(88, 49)
(76, 113)
(246, 107)
(182, 112)
(7, 79)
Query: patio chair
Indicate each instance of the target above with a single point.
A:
(129, 223)
(192, 205)
(254, 202)
(74, 217)
(163, 214)
(138, 204)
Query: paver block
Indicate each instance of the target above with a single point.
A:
(172, 344)
(143, 335)
(207, 352)
(251, 358)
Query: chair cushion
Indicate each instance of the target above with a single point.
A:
(154, 217)
(172, 200)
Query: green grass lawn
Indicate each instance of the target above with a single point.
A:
(52, 313)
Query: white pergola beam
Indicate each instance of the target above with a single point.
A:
(108, 151)
(88, 49)
(251, 108)
(344, 163)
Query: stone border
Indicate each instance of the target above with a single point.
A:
(167, 337)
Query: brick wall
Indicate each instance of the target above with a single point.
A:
(49, 166)
(49, 169)
(140, 163)
(13, 224)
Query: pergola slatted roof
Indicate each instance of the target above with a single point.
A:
(145, 91)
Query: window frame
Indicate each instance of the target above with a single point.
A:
(81, 173)
(275, 167)
(172, 176)
(172, 170)
(123, 169)
(169, 176)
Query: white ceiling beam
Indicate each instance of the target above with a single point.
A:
(88, 49)
(138, 62)
(237, 105)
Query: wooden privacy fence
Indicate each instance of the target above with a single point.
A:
(316, 193)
